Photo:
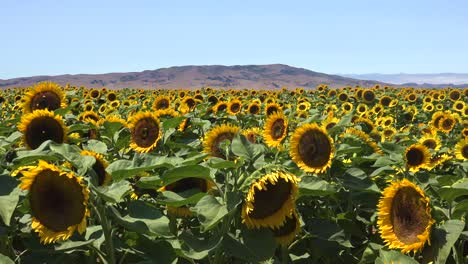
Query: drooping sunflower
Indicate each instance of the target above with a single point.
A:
(270, 200)
(99, 167)
(275, 129)
(286, 233)
(145, 131)
(183, 185)
(42, 125)
(431, 141)
(162, 102)
(89, 116)
(252, 134)
(461, 149)
(404, 216)
(417, 156)
(58, 202)
(217, 135)
(312, 149)
(44, 95)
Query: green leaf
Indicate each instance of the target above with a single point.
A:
(144, 218)
(198, 248)
(96, 146)
(254, 245)
(218, 163)
(114, 192)
(356, 179)
(172, 122)
(122, 169)
(460, 210)
(189, 171)
(449, 193)
(209, 211)
(394, 257)
(442, 240)
(9, 197)
(241, 147)
(6, 260)
(191, 196)
(312, 186)
(68, 245)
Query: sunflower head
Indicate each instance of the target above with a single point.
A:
(235, 106)
(270, 200)
(461, 149)
(311, 148)
(431, 141)
(214, 137)
(252, 134)
(417, 156)
(99, 167)
(58, 202)
(272, 108)
(404, 216)
(275, 129)
(145, 131)
(162, 102)
(44, 95)
(42, 125)
(286, 233)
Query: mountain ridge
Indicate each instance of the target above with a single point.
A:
(270, 76)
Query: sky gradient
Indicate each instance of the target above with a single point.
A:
(52, 37)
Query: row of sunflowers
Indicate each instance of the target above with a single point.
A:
(348, 175)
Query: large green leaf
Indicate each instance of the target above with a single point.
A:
(189, 171)
(191, 196)
(253, 245)
(312, 186)
(458, 189)
(241, 147)
(9, 197)
(442, 240)
(144, 218)
(210, 211)
(394, 257)
(122, 169)
(114, 193)
(356, 179)
(5, 260)
(198, 248)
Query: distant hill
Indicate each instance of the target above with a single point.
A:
(422, 80)
(272, 76)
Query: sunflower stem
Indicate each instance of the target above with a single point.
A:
(107, 230)
(284, 254)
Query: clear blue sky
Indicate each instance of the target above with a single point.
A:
(53, 37)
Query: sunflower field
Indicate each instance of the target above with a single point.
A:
(324, 175)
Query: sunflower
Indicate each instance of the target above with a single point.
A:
(458, 106)
(162, 102)
(270, 200)
(330, 122)
(217, 135)
(58, 202)
(253, 108)
(404, 216)
(44, 95)
(311, 148)
(275, 129)
(99, 167)
(94, 93)
(42, 125)
(431, 141)
(461, 149)
(234, 107)
(111, 96)
(252, 134)
(145, 131)
(368, 96)
(388, 133)
(417, 156)
(347, 107)
(429, 107)
(272, 108)
(220, 107)
(286, 233)
(343, 97)
(454, 95)
(385, 100)
(447, 123)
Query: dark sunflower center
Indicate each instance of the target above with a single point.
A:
(369, 96)
(251, 138)
(146, 132)
(330, 125)
(459, 106)
(385, 101)
(464, 151)
(314, 148)
(347, 107)
(388, 133)
(187, 184)
(162, 104)
(408, 215)
(430, 143)
(302, 107)
(408, 116)
(271, 110)
(277, 129)
(415, 157)
(343, 97)
(222, 107)
(56, 201)
(111, 97)
(289, 226)
(215, 149)
(268, 201)
(45, 100)
(41, 129)
(212, 99)
(254, 109)
(235, 107)
(190, 102)
(455, 95)
(447, 123)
